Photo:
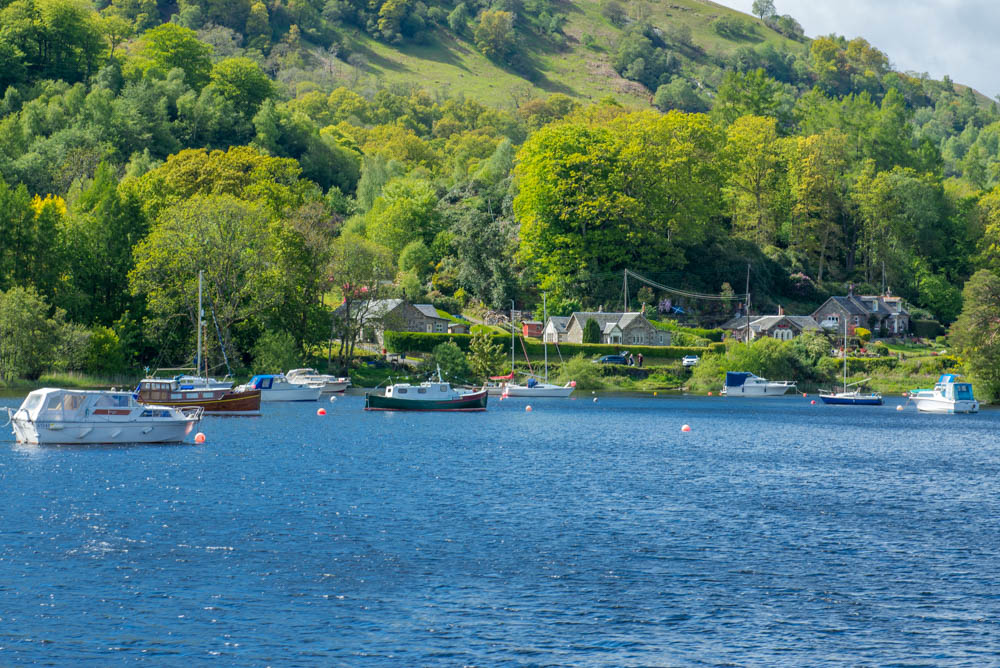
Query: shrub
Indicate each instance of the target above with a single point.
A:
(275, 352)
(449, 358)
(926, 329)
(582, 371)
(592, 332)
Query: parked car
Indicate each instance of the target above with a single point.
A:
(689, 360)
(611, 359)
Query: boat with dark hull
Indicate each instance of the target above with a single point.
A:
(214, 400)
(431, 396)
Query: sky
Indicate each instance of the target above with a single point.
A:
(953, 37)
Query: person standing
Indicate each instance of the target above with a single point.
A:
(640, 360)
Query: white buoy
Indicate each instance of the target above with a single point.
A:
(332, 399)
(686, 427)
(595, 400)
(527, 409)
(899, 408)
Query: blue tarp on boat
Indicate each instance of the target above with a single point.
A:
(737, 378)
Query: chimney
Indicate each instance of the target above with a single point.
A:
(781, 311)
(850, 289)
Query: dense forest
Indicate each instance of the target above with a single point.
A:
(143, 141)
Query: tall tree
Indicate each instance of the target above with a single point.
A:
(976, 332)
(360, 270)
(816, 168)
(756, 188)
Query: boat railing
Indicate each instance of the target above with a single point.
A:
(192, 412)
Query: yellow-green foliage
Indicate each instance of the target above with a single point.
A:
(581, 370)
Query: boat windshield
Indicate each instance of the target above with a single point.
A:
(963, 391)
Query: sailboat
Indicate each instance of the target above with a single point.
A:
(533, 387)
(851, 397)
(215, 397)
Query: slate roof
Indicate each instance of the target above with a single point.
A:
(851, 305)
(559, 322)
(803, 322)
(428, 310)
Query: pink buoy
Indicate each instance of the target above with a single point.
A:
(686, 427)
(321, 411)
(572, 383)
(813, 402)
(527, 409)
(199, 437)
(804, 395)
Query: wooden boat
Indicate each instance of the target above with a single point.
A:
(214, 400)
(213, 396)
(430, 396)
(52, 416)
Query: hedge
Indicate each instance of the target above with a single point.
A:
(714, 335)
(424, 342)
(927, 329)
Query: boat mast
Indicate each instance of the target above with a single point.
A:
(544, 344)
(512, 339)
(845, 355)
(201, 315)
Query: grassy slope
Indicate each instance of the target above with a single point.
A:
(451, 65)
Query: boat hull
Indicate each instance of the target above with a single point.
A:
(937, 405)
(757, 391)
(221, 403)
(291, 394)
(834, 400)
(540, 390)
(474, 401)
(91, 433)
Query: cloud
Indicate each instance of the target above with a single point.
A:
(953, 37)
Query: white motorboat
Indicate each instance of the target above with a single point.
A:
(275, 387)
(57, 416)
(746, 384)
(331, 384)
(947, 396)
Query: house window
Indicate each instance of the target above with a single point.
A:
(438, 327)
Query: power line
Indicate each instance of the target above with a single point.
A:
(683, 293)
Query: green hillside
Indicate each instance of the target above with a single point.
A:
(584, 71)
(315, 154)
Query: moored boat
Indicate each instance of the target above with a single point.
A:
(275, 387)
(947, 396)
(216, 400)
(850, 397)
(57, 416)
(331, 384)
(746, 384)
(429, 396)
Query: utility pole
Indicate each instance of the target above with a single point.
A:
(748, 303)
(625, 289)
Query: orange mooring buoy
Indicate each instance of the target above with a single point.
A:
(199, 437)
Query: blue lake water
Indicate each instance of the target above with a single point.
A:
(775, 532)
